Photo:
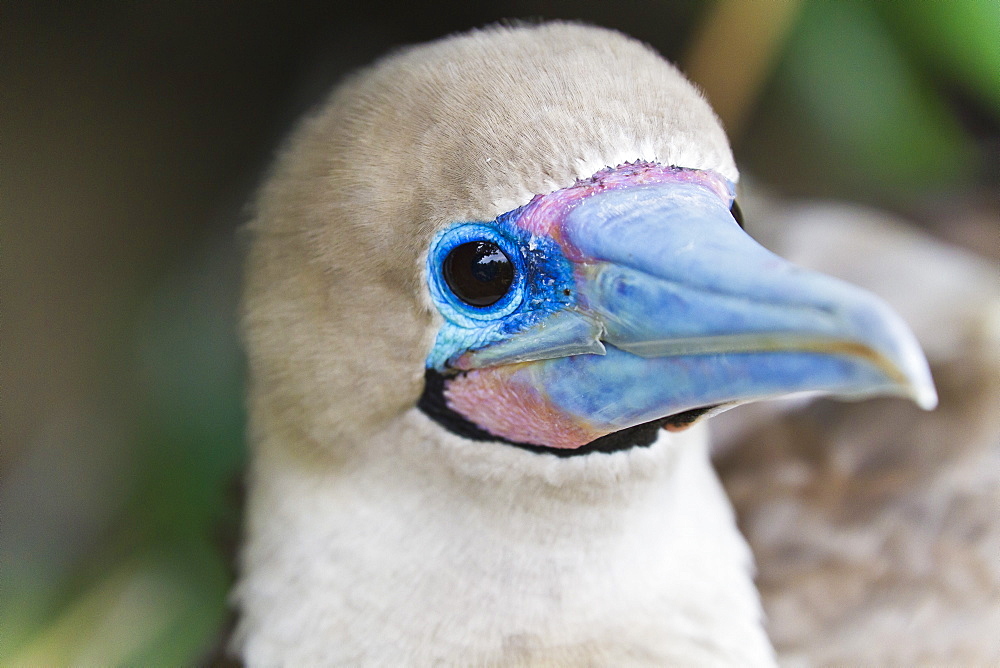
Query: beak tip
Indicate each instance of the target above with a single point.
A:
(924, 394)
(919, 383)
(915, 382)
(928, 401)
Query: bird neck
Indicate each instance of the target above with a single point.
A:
(429, 548)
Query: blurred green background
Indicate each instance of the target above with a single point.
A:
(132, 136)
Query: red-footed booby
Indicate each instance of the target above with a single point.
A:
(494, 283)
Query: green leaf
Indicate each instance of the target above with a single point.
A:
(879, 120)
(959, 39)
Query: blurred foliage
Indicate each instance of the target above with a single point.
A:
(861, 103)
(954, 41)
(881, 101)
(153, 590)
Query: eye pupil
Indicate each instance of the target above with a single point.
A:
(478, 272)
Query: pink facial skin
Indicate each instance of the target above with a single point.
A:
(498, 399)
(515, 411)
(519, 412)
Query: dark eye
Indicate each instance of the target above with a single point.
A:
(737, 214)
(478, 272)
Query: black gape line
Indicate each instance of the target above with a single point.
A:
(737, 214)
(433, 405)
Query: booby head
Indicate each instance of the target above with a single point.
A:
(634, 299)
(480, 253)
(529, 233)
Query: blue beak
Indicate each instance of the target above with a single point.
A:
(677, 308)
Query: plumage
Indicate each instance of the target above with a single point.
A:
(386, 527)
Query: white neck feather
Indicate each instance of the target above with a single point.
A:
(431, 549)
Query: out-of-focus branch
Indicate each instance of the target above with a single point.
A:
(733, 52)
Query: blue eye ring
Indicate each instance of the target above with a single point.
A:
(451, 306)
